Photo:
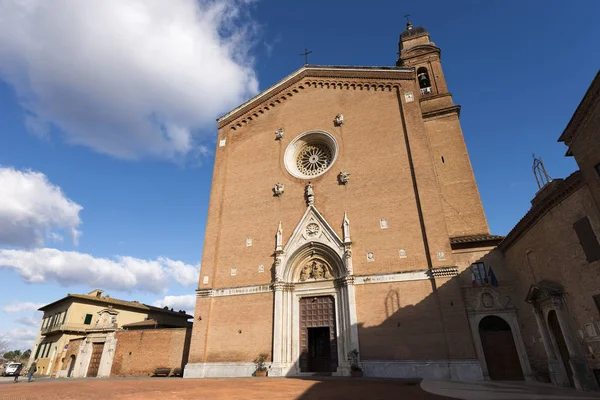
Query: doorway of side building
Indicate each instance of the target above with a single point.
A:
(97, 349)
(559, 339)
(71, 366)
(501, 356)
(318, 335)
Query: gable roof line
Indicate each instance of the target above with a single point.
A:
(590, 98)
(311, 209)
(273, 88)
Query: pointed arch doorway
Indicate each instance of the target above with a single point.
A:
(314, 319)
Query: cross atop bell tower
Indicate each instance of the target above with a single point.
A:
(415, 49)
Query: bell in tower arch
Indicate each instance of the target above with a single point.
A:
(423, 78)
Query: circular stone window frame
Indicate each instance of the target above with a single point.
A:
(295, 147)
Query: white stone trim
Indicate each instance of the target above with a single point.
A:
(358, 280)
(460, 370)
(219, 370)
(392, 277)
(233, 291)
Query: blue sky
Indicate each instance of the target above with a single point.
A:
(118, 114)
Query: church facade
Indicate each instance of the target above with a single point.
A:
(343, 208)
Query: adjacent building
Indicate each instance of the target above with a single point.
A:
(78, 332)
(552, 260)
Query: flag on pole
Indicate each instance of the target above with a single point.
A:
(492, 276)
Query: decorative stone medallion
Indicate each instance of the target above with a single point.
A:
(487, 300)
(312, 230)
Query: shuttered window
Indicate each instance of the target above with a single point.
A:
(88, 319)
(587, 238)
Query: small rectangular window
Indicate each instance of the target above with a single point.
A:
(64, 317)
(587, 239)
(88, 319)
(479, 273)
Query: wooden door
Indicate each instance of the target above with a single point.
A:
(97, 349)
(318, 351)
(501, 356)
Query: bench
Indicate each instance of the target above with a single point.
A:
(177, 372)
(162, 372)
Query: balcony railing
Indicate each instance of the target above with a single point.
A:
(70, 327)
(426, 90)
(66, 327)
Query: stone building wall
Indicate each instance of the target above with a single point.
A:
(549, 250)
(140, 352)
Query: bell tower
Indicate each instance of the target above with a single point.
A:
(458, 190)
(415, 49)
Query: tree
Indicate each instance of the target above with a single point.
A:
(14, 355)
(3, 344)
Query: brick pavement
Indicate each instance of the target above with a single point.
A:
(230, 389)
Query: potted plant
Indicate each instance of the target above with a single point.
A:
(261, 368)
(355, 370)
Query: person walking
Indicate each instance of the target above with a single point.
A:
(18, 372)
(31, 371)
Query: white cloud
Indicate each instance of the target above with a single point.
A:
(29, 321)
(127, 78)
(70, 268)
(184, 274)
(32, 208)
(20, 338)
(186, 302)
(16, 307)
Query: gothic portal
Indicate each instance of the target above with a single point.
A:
(337, 195)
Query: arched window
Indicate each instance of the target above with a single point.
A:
(424, 81)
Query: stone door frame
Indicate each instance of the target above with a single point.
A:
(286, 341)
(510, 317)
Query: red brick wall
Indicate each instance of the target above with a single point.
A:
(140, 352)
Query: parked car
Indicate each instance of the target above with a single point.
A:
(11, 369)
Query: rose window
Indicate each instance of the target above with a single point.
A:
(313, 159)
(310, 154)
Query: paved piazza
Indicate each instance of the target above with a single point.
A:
(245, 388)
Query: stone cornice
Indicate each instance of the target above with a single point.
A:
(562, 191)
(441, 272)
(444, 272)
(351, 78)
(420, 50)
(442, 112)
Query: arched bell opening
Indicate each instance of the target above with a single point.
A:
(424, 80)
